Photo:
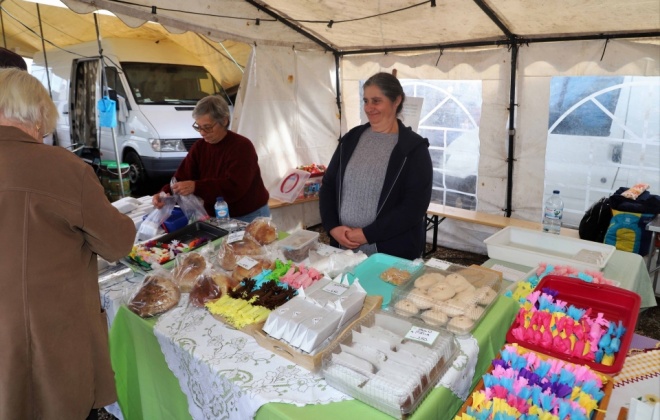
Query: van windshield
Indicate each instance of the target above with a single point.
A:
(167, 84)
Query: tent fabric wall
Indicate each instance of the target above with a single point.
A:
(537, 64)
(287, 107)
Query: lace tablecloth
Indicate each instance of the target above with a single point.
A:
(226, 374)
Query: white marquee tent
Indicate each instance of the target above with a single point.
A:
(300, 86)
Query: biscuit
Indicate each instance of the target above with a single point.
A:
(458, 282)
(453, 307)
(460, 324)
(441, 292)
(485, 295)
(428, 280)
(474, 312)
(435, 317)
(405, 308)
(420, 298)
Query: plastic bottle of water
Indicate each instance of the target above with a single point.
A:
(221, 209)
(552, 213)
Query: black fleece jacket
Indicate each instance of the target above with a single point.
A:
(399, 228)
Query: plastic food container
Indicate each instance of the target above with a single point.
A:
(296, 246)
(388, 362)
(530, 248)
(452, 297)
(615, 303)
(370, 271)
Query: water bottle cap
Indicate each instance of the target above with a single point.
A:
(555, 192)
(219, 199)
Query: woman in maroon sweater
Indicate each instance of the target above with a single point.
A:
(223, 165)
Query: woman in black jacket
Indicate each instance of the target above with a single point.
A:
(377, 187)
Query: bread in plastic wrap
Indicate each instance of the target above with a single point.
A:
(157, 294)
(262, 230)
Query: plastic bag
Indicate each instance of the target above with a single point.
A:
(191, 205)
(107, 112)
(262, 230)
(231, 252)
(149, 227)
(211, 285)
(157, 294)
(188, 267)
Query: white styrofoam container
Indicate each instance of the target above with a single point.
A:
(530, 248)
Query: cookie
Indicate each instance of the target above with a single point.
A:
(435, 317)
(395, 276)
(458, 282)
(485, 295)
(453, 307)
(428, 280)
(474, 312)
(460, 324)
(466, 296)
(441, 292)
(420, 298)
(405, 308)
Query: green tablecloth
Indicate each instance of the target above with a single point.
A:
(147, 388)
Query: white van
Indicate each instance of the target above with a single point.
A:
(157, 85)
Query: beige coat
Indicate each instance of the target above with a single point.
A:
(54, 220)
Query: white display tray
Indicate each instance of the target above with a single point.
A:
(530, 247)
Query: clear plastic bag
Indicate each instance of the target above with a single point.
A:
(191, 205)
(157, 294)
(262, 230)
(149, 227)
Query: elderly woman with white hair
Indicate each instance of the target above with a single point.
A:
(55, 220)
(224, 164)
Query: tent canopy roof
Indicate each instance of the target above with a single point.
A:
(345, 25)
(340, 26)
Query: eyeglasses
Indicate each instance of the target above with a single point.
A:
(46, 135)
(205, 129)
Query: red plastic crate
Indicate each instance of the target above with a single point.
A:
(615, 303)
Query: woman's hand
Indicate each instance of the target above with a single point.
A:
(157, 201)
(356, 235)
(183, 187)
(340, 233)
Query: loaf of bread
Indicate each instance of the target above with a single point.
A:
(230, 253)
(188, 268)
(262, 230)
(157, 294)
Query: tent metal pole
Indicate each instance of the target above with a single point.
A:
(512, 129)
(104, 89)
(43, 48)
(2, 24)
(291, 25)
(338, 83)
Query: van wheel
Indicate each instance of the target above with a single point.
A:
(136, 172)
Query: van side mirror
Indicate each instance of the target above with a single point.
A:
(112, 94)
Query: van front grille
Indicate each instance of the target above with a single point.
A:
(189, 142)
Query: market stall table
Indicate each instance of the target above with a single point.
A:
(147, 388)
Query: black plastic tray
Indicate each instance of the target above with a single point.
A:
(197, 230)
(185, 235)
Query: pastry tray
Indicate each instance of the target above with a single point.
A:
(309, 361)
(599, 413)
(462, 316)
(196, 230)
(388, 362)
